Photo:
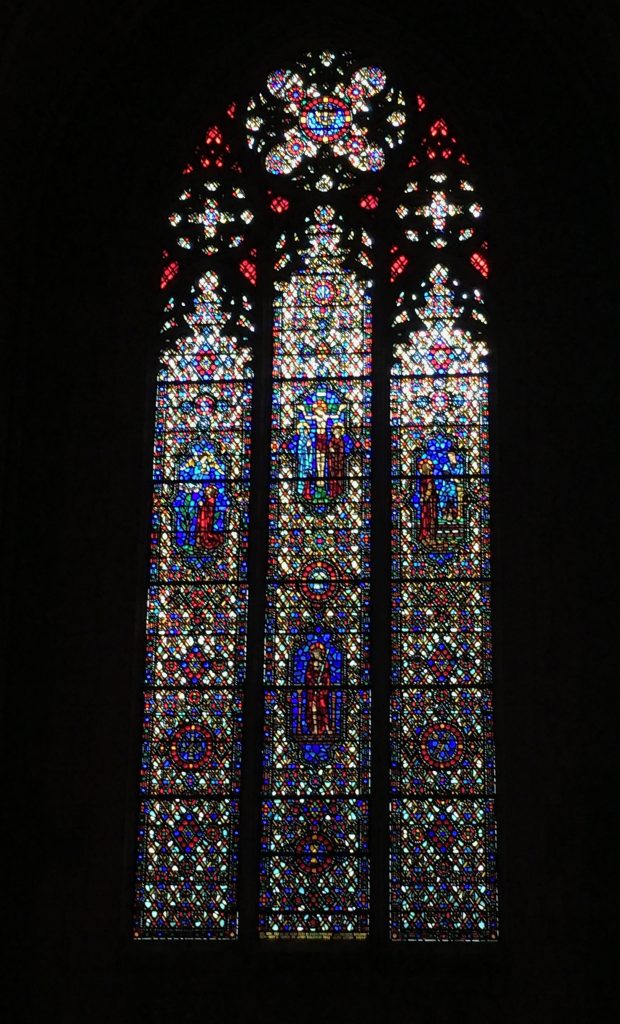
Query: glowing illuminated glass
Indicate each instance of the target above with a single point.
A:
(443, 876)
(197, 605)
(296, 195)
(314, 864)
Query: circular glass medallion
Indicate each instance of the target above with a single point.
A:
(319, 580)
(326, 119)
(442, 745)
(324, 292)
(314, 853)
(191, 746)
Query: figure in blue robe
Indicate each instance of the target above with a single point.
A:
(185, 505)
(452, 466)
(305, 461)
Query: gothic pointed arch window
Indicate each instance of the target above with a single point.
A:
(320, 551)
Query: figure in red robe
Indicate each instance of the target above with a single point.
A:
(206, 536)
(317, 682)
(335, 463)
(428, 503)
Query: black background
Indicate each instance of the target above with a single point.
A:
(102, 104)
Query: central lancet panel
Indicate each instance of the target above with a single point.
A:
(314, 852)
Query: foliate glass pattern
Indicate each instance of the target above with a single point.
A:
(314, 851)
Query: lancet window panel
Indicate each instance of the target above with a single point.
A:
(314, 866)
(443, 872)
(196, 634)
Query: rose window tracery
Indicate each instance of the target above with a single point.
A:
(318, 111)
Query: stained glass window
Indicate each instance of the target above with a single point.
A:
(288, 198)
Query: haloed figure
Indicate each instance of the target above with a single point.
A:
(317, 682)
(321, 414)
(185, 505)
(450, 491)
(206, 537)
(305, 462)
(335, 462)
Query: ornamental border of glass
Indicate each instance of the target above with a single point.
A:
(260, 213)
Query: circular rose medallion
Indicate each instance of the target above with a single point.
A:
(205, 406)
(442, 745)
(443, 833)
(314, 853)
(324, 292)
(319, 580)
(439, 401)
(294, 147)
(191, 746)
(326, 119)
(441, 354)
